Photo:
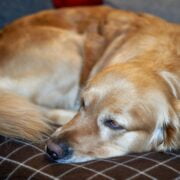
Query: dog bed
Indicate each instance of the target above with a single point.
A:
(22, 160)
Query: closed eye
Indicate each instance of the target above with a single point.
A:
(112, 124)
(82, 105)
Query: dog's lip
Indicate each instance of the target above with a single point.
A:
(64, 160)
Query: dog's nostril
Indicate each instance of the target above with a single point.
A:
(52, 154)
(54, 150)
(57, 151)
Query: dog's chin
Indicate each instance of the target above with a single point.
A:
(74, 159)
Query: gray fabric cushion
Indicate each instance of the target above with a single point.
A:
(168, 9)
(13, 9)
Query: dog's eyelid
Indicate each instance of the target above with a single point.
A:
(82, 103)
(113, 124)
(120, 119)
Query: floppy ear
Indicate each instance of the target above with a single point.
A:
(94, 47)
(166, 135)
(177, 107)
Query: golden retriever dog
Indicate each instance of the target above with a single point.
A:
(115, 73)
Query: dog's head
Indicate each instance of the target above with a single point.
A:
(122, 111)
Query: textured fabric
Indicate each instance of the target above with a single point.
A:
(20, 160)
(168, 9)
(13, 9)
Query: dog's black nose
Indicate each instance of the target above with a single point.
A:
(58, 151)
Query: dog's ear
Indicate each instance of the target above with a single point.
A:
(172, 129)
(167, 132)
(177, 107)
(94, 47)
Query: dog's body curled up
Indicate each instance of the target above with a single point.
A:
(121, 68)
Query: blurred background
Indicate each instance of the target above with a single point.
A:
(13, 9)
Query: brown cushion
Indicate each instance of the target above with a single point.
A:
(22, 160)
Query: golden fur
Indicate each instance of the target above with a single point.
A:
(127, 65)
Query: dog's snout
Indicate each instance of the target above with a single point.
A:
(58, 150)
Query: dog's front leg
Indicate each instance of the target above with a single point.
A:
(59, 116)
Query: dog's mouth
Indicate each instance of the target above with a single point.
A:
(74, 159)
(65, 160)
(63, 153)
(68, 158)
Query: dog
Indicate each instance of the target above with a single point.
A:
(110, 77)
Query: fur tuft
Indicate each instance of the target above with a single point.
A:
(21, 119)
